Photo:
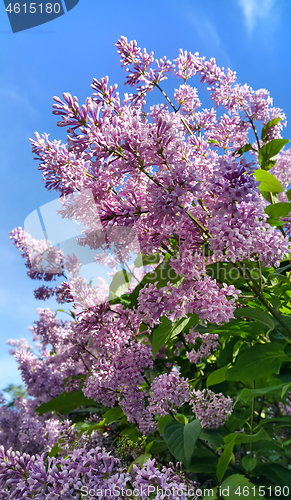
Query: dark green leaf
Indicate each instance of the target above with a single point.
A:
(258, 362)
(275, 473)
(265, 128)
(248, 394)
(167, 330)
(159, 445)
(244, 149)
(112, 415)
(240, 437)
(230, 485)
(65, 402)
(257, 314)
(203, 460)
(217, 377)
(249, 463)
(214, 436)
(210, 493)
(270, 150)
(181, 439)
(162, 422)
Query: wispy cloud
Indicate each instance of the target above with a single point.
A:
(208, 33)
(256, 10)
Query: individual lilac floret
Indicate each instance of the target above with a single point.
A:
(209, 344)
(169, 391)
(211, 409)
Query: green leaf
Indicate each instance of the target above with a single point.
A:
(181, 439)
(55, 450)
(112, 415)
(265, 128)
(143, 458)
(248, 394)
(224, 459)
(244, 149)
(162, 422)
(213, 436)
(257, 314)
(203, 460)
(162, 274)
(210, 493)
(143, 260)
(167, 330)
(249, 463)
(217, 377)
(270, 150)
(278, 210)
(159, 445)
(120, 283)
(268, 182)
(240, 438)
(231, 484)
(275, 473)
(65, 403)
(257, 362)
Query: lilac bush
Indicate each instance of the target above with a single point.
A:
(173, 382)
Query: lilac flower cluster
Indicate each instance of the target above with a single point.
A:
(209, 343)
(150, 482)
(211, 409)
(169, 391)
(204, 297)
(22, 429)
(25, 476)
(42, 259)
(172, 176)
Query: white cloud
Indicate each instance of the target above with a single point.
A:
(256, 10)
(208, 33)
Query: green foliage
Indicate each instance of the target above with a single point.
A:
(181, 439)
(167, 330)
(268, 182)
(266, 127)
(65, 403)
(257, 362)
(269, 151)
(15, 391)
(252, 366)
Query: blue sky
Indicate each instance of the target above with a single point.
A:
(252, 37)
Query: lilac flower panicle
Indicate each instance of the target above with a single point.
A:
(211, 409)
(168, 392)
